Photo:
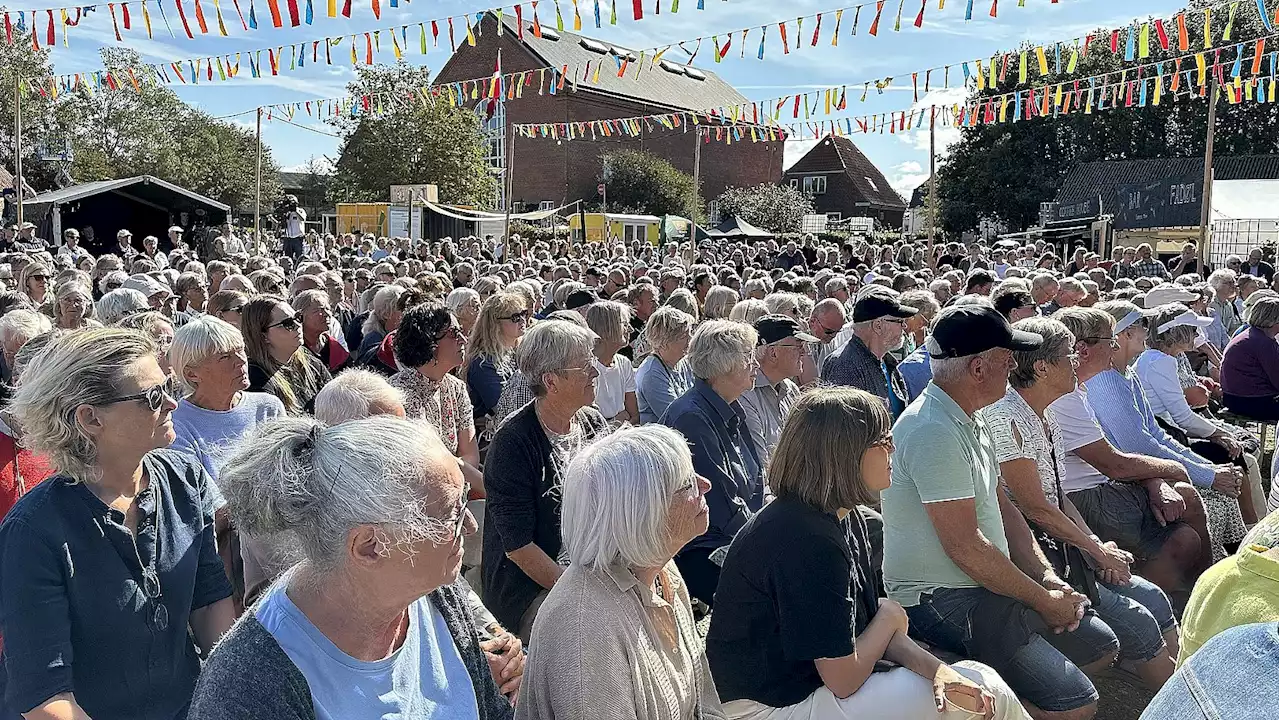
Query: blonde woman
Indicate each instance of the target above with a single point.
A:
(34, 281)
(684, 300)
(490, 357)
(799, 625)
(616, 381)
(129, 515)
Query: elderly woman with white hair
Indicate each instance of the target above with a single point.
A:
(17, 327)
(370, 623)
(119, 304)
(524, 468)
(464, 303)
(73, 305)
(631, 501)
(664, 376)
(120, 637)
(383, 318)
(722, 360)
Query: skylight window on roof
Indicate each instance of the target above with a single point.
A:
(695, 74)
(623, 53)
(547, 33)
(593, 46)
(671, 67)
(872, 183)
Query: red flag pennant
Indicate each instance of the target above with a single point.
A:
(274, 7)
(368, 48)
(52, 38)
(875, 24)
(637, 9)
(920, 15)
(8, 29)
(294, 20)
(1115, 41)
(377, 9)
(1161, 35)
(123, 8)
(817, 28)
(993, 8)
(236, 3)
(519, 23)
(111, 7)
(725, 50)
(204, 27)
(346, 12)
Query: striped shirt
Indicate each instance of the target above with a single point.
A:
(1122, 410)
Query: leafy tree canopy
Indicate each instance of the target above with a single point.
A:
(776, 208)
(408, 139)
(1003, 171)
(641, 182)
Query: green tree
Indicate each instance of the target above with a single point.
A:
(641, 182)
(776, 208)
(151, 131)
(409, 139)
(43, 118)
(1003, 171)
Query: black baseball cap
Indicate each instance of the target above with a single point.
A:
(773, 328)
(875, 305)
(579, 298)
(963, 330)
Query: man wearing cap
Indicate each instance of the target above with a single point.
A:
(159, 297)
(780, 354)
(958, 555)
(27, 238)
(175, 238)
(879, 323)
(124, 246)
(71, 249)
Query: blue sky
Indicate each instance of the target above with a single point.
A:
(904, 158)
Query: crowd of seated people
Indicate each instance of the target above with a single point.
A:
(499, 478)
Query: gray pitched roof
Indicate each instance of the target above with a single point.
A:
(83, 190)
(651, 84)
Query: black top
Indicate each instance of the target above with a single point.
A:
(304, 399)
(79, 605)
(796, 586)
(522, 506)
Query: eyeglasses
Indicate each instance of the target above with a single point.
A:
(689, 489)
(41, 278)
(289, 323)
(519, 317)
(170, 390)
(589, 370)
(453, 332)
(826, 331)
(1073, 358)
(1095, 340)
(236, 309)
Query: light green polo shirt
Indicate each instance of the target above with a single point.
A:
(942, 454)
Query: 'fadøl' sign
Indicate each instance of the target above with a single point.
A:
(1171, 202)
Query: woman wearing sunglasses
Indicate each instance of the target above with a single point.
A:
(370, 623)
(34, 281)
(109, 568)
(799, 629)
(278, 363)
(491, 349)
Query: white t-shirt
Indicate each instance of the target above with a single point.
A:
(613, 384)
(294, 223)
(1079, 428)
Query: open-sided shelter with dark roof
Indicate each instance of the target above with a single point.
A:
(842, 181)
(1087, 181)
(550, 172)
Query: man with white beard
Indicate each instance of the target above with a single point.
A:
(879, 322)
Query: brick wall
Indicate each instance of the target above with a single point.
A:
(563, 171)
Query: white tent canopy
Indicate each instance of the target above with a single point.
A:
(1246, 199)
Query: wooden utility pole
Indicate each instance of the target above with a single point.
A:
(697, 166)
(18, 185)
(933, 185)
(1206, 190)
(257, 194)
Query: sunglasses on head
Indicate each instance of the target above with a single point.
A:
(156, 396)
(290, 323)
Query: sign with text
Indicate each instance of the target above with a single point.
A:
(1170, 202)
(1076, 211)
(407, 194)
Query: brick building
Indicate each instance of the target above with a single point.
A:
(843, 183)
(549, 173)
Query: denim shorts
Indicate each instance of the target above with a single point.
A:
(1043, 668)
(1121, 512)
(1139, 614)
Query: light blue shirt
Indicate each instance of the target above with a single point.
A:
(916, 371)
(425, 679)
(213, 435)
(657, 385)
(1125, 416)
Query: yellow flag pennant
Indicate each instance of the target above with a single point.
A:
(1044, 62)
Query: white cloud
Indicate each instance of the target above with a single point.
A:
(906, 177)
(323, 164)
(793, 150)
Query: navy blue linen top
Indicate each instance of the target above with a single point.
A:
(73, 609)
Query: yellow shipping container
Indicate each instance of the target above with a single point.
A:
(618, 226)
(363, 218)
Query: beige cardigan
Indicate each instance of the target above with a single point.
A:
(596, 653)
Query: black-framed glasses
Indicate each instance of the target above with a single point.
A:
(519, 317)
(293, 322)
(155, 397)
(452, 332)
